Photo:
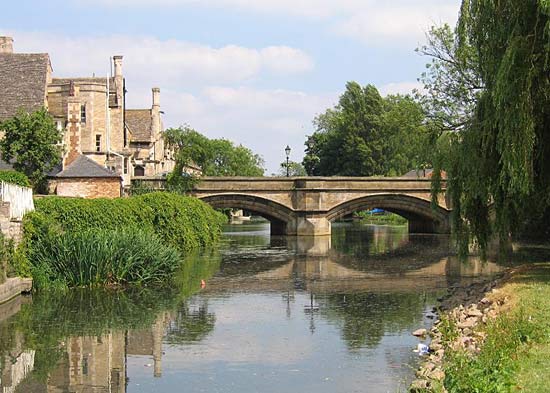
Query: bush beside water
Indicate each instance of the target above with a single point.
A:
(138, 240)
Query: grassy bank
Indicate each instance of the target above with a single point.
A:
(73, 242)
(515, 353)
(381, 219)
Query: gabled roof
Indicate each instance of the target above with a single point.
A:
(140, 124)
(84, 167)
(23, 82)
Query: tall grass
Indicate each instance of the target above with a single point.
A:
(494, 368)
(103, 257)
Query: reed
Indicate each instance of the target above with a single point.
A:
(100, 257)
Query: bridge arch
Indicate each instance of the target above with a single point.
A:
(422, 216)
(280, 216)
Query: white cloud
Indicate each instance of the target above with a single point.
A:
(263, 120)
(373, 22)
(400, 88)
(398, 25)
(170, 62)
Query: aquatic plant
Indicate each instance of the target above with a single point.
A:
(103, 257)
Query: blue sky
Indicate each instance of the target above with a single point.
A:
(252, 71)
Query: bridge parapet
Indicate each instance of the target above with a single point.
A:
(307, 205)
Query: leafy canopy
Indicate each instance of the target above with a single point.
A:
(216, 157)
(497, 163)
(366, 135)
(32, 144)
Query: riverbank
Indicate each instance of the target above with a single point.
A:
(492, 337)
(140, 240)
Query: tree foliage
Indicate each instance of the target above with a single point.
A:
(366, 135)
(498, 162)
(294, 169)
(216, 157)
(32, 144)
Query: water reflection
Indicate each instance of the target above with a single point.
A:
(327, 314)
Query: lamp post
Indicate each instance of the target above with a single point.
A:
(287, 151)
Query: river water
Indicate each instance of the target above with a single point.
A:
(274, 315)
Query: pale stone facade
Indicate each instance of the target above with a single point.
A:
(88, 187)
(92, 113)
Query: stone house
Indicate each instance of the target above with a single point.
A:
(91, 111)
(24, 80)
(85, 178)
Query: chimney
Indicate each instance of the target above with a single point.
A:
(6, 45)
(155, 113)
(156, 97)
(118, 65)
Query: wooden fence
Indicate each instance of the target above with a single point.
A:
(19, 198)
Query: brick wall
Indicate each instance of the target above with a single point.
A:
(88, 187)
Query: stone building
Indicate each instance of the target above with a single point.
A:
(24, 80)
(85, 178)
(90, 110)
(149, 156)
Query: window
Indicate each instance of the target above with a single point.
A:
(125, 165)
(98, 143)
(83, 113)
(139, 171)
(59, 125)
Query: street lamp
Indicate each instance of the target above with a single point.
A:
(287, 151)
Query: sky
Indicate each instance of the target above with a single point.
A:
(256, 72)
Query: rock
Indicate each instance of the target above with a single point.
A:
(420, 332)
(418, 385)
(474, 313)
(437, 374)
(468, 323)
(435, 346)
(485, 300)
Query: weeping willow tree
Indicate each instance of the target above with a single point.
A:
(498, 161)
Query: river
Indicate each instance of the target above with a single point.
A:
(257, 314)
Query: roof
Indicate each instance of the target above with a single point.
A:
(140, 124)
(23, 82)
(85, 167)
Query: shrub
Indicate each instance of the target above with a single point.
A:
(60, 236)
(182, 221)
(14, 177)
(103, 256)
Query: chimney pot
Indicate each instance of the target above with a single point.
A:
(156, 96)
(117, 60)
(6, 45)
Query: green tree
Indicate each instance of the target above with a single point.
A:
(366, 135)
(32, 144)
(294, 169)
(499, 161)
(216, 157)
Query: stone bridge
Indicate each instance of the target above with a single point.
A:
(306, 206)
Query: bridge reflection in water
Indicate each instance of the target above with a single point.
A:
(395, 263)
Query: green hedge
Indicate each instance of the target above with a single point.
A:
(57, 232)
(181, 221)
(14, 177)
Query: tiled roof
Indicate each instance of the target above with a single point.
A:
(139, 122)
(23, 79)
(84, 167)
